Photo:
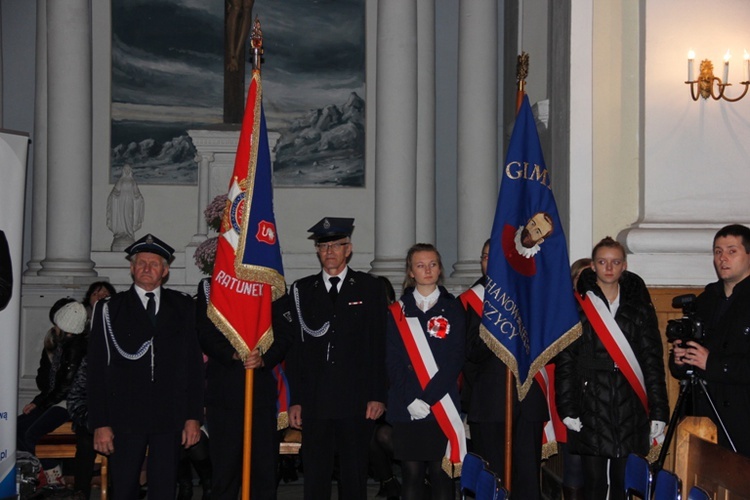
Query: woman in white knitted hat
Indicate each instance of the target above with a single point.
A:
(65, 347)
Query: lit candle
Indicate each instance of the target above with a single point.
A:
(747, 66)
(691, 58)
(726, 67)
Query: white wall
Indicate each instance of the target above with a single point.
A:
(695, 154)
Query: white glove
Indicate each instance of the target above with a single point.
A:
(657, 428)
(574, 424)
(418, 409)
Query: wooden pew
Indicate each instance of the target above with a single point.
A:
(699, 461)
(61, 443)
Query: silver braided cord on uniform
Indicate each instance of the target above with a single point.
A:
(207, 290)
(306, 329)
(149, 344)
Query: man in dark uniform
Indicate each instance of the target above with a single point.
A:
(145, 375)
(225, 403)
(487, 406)
(337, 365)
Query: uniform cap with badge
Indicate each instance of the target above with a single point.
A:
(151, 244)
(331, 229)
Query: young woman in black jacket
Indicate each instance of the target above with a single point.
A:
(612, 403)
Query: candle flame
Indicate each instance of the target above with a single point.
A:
(727, 56)
(691, 54)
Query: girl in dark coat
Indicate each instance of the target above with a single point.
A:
(606, 417)
(64, 348)
(418, 440)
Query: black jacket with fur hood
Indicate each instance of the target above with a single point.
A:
(590, 386)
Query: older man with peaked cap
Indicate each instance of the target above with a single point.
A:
(145, 375)
(336, 367)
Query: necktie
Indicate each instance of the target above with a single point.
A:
(151, 307)
(334, 291)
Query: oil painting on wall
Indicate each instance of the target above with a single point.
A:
(167, 77)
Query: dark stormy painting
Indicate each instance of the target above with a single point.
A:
(167, 77)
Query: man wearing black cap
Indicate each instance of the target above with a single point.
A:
(145, 375)
(336, 367)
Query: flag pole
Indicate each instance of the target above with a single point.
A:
(247, 443)
(522, 71)
(256, 48)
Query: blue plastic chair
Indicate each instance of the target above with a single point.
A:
(637, 477)
(472, 466)
(668, 486)
(698, 493)
(488, 486)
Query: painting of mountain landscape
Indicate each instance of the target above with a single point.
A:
(167, 77)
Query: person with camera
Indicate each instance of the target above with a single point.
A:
(722, 356)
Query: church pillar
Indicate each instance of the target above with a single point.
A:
(477, 131)
(39, 142)
(396, 141)
(68, 243)
(425, 208)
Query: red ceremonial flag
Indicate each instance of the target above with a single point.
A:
(248, 273)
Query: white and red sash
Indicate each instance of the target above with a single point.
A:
(614, 341)
(554, 429)
(474, 298)
(425, 367)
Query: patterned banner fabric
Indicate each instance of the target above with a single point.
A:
(248, 273)
(529, 312)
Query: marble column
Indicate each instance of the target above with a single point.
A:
(477, 131)
(425, 209)
(68, 243)
(396, 141)
(39, 143)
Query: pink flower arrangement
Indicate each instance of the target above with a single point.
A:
(215, 211)
(205, 254)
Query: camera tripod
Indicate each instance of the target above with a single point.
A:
(686, 388)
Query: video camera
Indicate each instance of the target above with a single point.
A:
(689, 327)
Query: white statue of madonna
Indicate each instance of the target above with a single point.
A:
(125, 208)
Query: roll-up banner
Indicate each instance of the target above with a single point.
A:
(13, 152)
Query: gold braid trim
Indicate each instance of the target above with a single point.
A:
(653, 453)
(453, 470)
(261, 274)
(282, 421)
(510, 361)
(235, 338)
(549, 449)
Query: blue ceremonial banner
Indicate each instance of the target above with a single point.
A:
(529, 312)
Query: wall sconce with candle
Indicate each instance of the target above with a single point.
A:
(709, 85)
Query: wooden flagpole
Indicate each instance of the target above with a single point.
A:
(247, 444)
(256, 47)
(522, 70)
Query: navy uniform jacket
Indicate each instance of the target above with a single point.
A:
(448, 353)
(337, 373)
(123, 393)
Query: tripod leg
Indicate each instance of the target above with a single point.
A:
(685, 385)
(702, 384)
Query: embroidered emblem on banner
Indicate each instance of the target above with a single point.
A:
(266, 232)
